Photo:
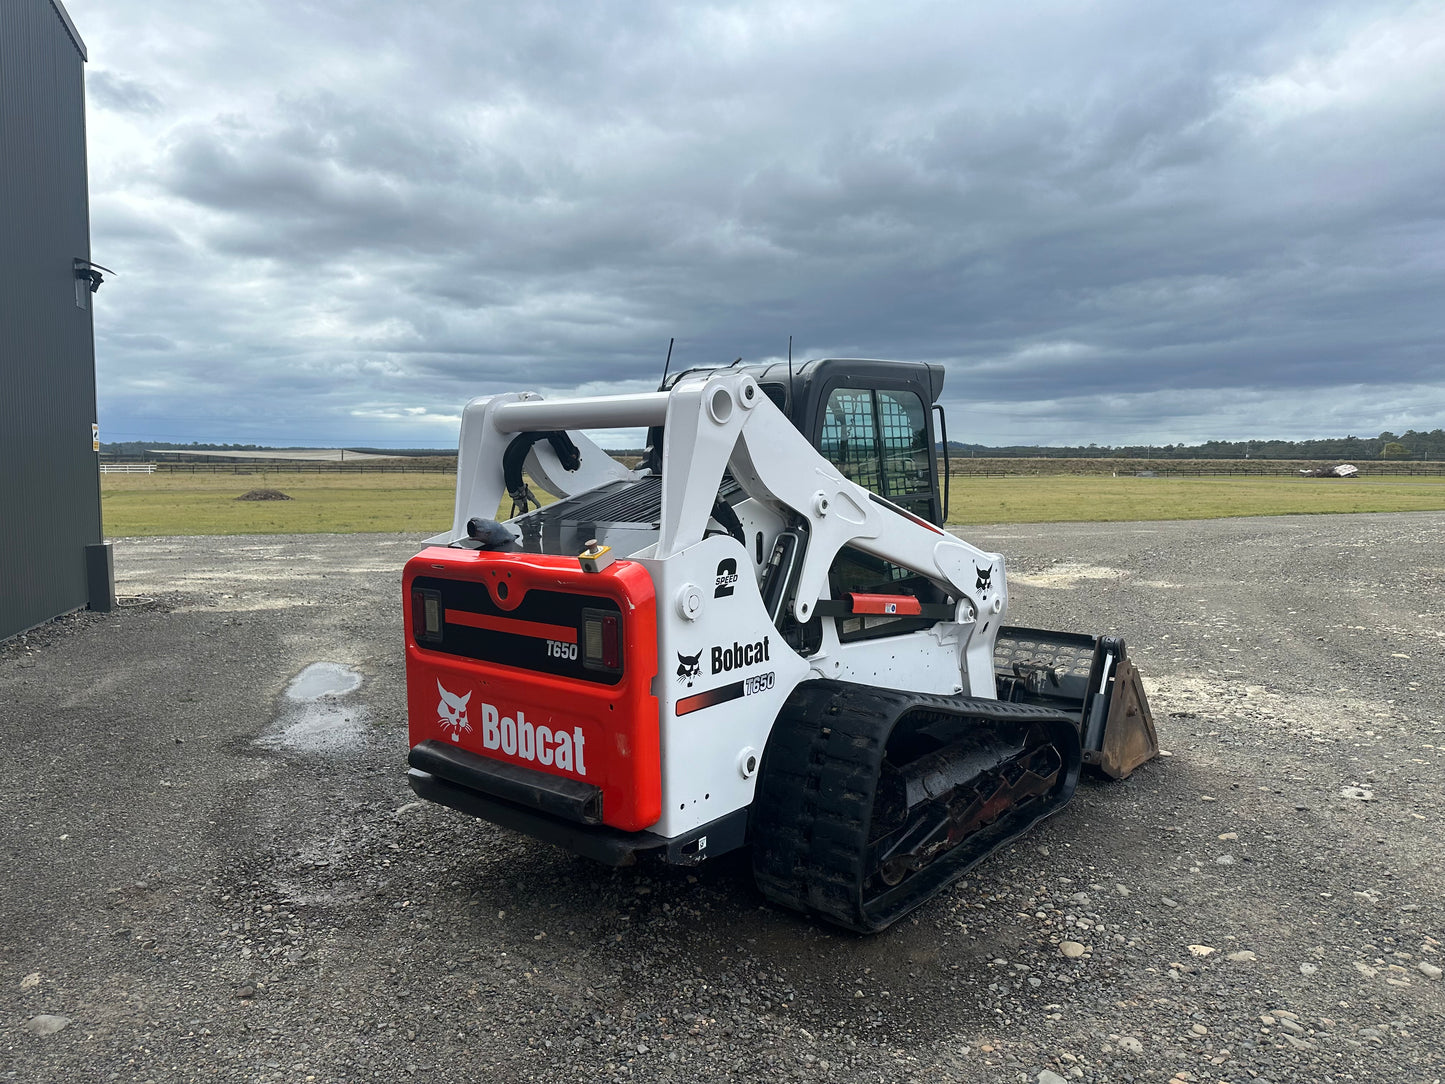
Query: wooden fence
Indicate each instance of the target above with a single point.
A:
(960, 468)
(264, 467)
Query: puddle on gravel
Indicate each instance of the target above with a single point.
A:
(320, 716)
(323, 679)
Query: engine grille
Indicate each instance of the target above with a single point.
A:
(628, 505)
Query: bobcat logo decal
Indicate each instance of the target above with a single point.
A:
(452, 712)
(985, 577)
(688, 667)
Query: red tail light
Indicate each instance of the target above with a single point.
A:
(426, 616)
(601, 640)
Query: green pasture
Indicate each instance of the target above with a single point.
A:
(202, 504)
(1064, 498)
(322, 503)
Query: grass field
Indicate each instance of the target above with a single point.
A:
(1093, 498)
(201, 504)
(178, 504)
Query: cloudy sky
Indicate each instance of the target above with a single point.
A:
(334, 221)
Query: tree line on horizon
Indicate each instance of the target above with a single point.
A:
(1405, 446)
(138, 449)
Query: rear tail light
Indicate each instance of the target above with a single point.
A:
(601, 640)
(426, 615)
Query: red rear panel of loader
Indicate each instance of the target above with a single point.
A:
(526, 659)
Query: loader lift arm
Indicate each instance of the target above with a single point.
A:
(724, 421)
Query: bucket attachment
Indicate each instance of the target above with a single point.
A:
(1089, 678)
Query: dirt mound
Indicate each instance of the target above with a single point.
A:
(264, 495)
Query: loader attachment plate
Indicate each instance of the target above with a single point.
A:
(1089, 678)
(1129, 738)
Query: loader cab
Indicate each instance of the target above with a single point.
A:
(873, 420)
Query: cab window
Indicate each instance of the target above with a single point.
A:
(879, 439)
(850, 437)
(903, 426)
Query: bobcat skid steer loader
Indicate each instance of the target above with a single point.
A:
(761, 636)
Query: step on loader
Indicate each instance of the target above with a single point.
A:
(759, 636)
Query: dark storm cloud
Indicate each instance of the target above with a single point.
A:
(1130, 222)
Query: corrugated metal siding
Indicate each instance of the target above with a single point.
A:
(49, 484)
(70, 28)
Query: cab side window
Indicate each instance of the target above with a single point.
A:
(906, 473)
(879, 439)
(850, 437)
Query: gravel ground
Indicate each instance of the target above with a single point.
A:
(207, 879)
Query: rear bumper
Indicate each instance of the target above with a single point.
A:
(556, 810)
(558, 796)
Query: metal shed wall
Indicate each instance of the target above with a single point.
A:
(49, 482)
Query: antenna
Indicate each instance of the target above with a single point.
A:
(666, 363)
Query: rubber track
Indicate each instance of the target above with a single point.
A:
(813, 807)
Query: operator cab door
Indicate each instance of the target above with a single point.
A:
(882, 439)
